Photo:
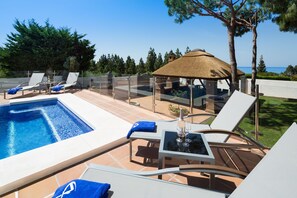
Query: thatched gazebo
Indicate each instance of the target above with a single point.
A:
(196, 64)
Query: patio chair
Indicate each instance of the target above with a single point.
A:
(70, 82)
(126, 183)
(228, 119)
(34, 82)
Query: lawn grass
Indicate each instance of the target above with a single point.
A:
(275, 117)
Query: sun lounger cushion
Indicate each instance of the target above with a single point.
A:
(144, 126)
(14, 90)
(57, 87)
(83, 189)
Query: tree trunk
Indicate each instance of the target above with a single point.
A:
(233, 63)
(254, 61)
(49, 72)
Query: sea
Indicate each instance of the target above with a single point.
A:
(248, 70)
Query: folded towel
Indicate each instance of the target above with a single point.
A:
(57, 87)
(82, 189)
(145, 126)
(14, 90)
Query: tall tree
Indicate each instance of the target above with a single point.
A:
(102, 63)
(130, 66)
(250, 17)
(261, 65)
(93, 66)
(159, 61)
(284, 13)
(178, 53)
(150, 60)
(117, 65)
(187, 50)
(109, 66)
(38, 47)
(141, 67)
(224, 10)
(166, 57)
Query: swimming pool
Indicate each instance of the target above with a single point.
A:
(31, 125)
(24, 168)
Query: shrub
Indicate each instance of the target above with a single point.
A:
(294, 77)
(175, 110)
(270, 77)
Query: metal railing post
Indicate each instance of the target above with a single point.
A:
(154, 94)
(82, 73)
(100, 83)
(257, 114)
(129, 89)
(113, 90)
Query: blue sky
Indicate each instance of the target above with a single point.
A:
(131, 27)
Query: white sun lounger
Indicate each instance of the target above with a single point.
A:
(275, 175)
(134, 184)
(71, 80)
(34, 82)
(228, 119)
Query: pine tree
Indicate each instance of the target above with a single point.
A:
(177, 53)
(119, 65)
(130, 66)
(261, 65)
(102, 63)
(150, 61)
(166, 56)
(227, 11)
(187, 50)
(159, 62)
(284, 13)
(141, 67)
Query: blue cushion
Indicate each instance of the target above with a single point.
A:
(57, 87)
(14, 90)
(82, 189)
(145, 126)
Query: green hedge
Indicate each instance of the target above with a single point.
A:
(274, 77)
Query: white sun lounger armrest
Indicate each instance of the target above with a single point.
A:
(205, 168)
(22, 84)
(62, 82)
(199, 114)
(125, 183)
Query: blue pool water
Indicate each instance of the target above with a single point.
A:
(27, 126)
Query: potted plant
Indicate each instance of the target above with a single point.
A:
(175, 110)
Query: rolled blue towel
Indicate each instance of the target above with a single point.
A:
(57, 87)
(14, 90)
(82, 189)
(145, 126)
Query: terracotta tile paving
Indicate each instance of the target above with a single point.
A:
(144, 158)
(39, 189)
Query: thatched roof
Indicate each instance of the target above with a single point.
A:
(197, 64)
